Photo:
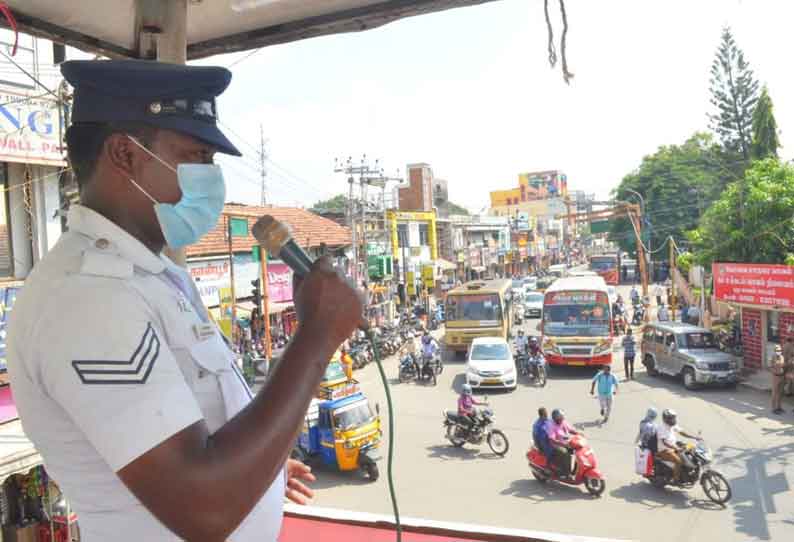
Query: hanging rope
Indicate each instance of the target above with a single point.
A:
(552, 49)
(566, 74)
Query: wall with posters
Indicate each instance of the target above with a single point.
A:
(212, 274)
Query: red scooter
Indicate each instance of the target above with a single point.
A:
(585, 469)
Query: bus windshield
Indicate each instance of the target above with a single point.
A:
(483, 307)
(603, 264)
(576, 314)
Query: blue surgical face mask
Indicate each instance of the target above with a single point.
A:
(199, 208)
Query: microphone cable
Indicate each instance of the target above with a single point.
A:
(390, 458)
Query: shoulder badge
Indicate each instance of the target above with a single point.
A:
(135, 370)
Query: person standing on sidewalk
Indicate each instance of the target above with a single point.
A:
(607, 387)
(778, 370)
(658, 291)
(628, 354)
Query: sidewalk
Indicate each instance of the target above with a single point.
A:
(757, 380)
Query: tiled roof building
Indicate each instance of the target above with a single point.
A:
(308, 230)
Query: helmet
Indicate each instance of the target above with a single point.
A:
(651, 414)
(533, 340)
(426, 338)
(466, 389)
(557, 415)
(669, 416)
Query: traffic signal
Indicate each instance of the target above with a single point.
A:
(256, 293)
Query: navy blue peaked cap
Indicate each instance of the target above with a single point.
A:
(170, 96)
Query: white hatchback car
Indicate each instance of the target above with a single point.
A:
(490, 364)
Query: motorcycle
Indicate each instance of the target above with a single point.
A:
(639, 315)
(429, 369)
(696, 468)
(434, 361)
(537, 369)
(462, 429)
(619, 324)
(408, 369)
(584, 471)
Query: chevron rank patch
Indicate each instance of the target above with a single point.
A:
(132, 371)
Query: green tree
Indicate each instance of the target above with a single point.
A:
(455, 209)
(734, 93)
(336, 203)
(677, 183)
(765, 134)
(766, 235)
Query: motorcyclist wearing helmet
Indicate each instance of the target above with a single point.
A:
(467, 402)
(647, 436)
(560, 432)
(521, 342)
(534, 347)
(410, 348)
(429, 345)
(669, 447)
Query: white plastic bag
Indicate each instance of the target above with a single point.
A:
(642, 461)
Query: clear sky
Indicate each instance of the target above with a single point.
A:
(470, 92)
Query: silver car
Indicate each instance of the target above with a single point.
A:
(688, 351)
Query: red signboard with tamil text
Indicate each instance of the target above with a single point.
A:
(755, 284)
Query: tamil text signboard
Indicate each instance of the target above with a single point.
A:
(755, 284)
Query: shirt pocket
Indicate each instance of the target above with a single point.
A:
(202, 363)
(217, 363)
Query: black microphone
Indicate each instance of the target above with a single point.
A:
(277, 239)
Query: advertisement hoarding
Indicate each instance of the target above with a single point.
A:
(762, 285)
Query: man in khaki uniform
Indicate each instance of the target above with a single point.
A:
(778, 370)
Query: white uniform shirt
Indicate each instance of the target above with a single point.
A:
(669, 434)
(110, 353)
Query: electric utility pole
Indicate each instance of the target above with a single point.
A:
(357, 208)
(262, 167)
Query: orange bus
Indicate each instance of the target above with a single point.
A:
(577, 322)
(607, 266)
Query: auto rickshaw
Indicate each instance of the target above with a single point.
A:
(342, 432)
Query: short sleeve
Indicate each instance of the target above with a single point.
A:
(105, 361)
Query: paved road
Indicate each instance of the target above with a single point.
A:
(755, 450)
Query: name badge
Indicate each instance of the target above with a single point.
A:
(203, 331)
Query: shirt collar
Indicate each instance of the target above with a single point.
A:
(93, 225)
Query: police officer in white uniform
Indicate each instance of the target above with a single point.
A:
(121, 380)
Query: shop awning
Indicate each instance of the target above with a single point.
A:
(213, 27)
(17, 453)
(276, 308)
(445, 265)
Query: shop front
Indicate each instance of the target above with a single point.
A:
(32, 508)
(764, 295)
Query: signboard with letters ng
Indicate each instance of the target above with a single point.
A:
(30, 129)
